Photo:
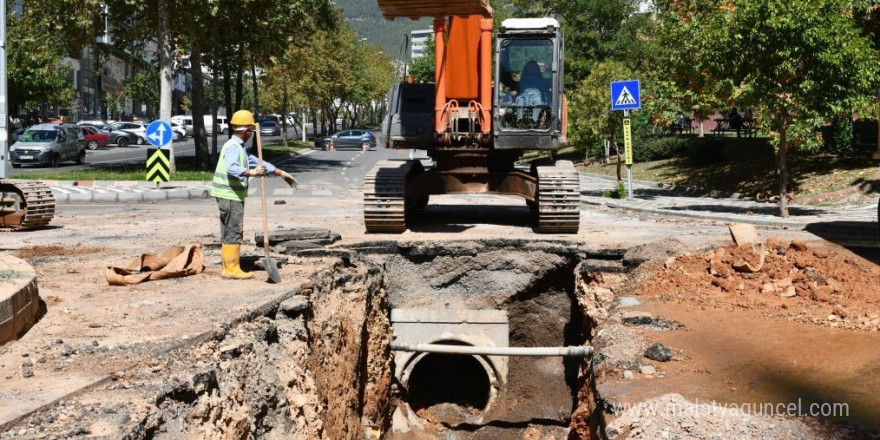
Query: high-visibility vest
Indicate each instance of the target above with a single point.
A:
(224, 185)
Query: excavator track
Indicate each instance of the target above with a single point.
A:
(558, 199)
(385, 197)
(25, 205)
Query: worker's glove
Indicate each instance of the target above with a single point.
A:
(260, 170)
(289, 179)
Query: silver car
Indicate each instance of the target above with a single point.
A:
(48, 144)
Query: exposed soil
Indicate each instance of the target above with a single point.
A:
(796, 283)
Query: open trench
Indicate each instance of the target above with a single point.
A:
(318, 363)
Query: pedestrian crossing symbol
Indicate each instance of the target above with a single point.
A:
(158, 164)
(625, 98)
(625, 95)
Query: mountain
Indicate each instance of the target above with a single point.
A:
(365, 17)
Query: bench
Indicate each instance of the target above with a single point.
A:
(681, 126)
(749, 127)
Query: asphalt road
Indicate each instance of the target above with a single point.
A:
(131, 154)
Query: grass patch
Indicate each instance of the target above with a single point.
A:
(731, 164)
(187, 170)
(751, 171)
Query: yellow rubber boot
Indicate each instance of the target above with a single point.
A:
(229, 256)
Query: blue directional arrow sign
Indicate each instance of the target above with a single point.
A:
(625, 95)
(159, 133)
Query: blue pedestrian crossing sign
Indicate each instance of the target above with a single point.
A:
(625, 95)
(159, 133)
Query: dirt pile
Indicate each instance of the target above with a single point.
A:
(783, 279)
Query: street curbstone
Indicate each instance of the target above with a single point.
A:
(104, 197)
(130, 197)
(153, 196)
(199, 193)
(80, 197)
(177, 194)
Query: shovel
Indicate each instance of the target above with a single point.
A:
(268, 263)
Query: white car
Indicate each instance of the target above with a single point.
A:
(179, 131)
(138, 128)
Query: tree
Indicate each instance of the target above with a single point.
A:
(36, 74)
(687, 33)
(422, 68)
(795, 60)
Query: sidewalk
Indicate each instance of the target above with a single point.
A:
(654, 198)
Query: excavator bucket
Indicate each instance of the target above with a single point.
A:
(415, 9)
(25, 205)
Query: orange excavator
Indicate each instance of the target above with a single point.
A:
(477, 118)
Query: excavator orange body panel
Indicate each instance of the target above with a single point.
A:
(462, 58)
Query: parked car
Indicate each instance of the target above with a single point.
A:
(361, 139)
(222, 125)
(187, 122)
(95, 138)
(179, 132)
(138, 128)
(270, 128)
(48, 144)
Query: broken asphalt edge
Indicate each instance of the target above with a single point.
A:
(215, 333)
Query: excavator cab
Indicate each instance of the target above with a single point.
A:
(528, 106)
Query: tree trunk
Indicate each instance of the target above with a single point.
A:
(203, 156)
(783, 168)
(164, 48)
(619, 162)
(256, 91)
(227, 94)
(284, 116)
(215, 129)
(239, 84)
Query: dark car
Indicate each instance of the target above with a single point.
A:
(360, 139)
(270, 128)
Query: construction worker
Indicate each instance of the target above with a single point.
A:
(230, 188)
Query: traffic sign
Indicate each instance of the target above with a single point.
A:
(159, 133)
(625, 95)
(627, 142)
(158, 164)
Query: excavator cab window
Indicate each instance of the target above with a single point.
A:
(525, 84)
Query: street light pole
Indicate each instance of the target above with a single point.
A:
(4, 130)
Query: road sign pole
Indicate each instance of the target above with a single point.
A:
(627, 146)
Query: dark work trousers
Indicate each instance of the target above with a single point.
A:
(231, 220)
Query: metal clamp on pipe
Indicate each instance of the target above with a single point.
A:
(578, 351)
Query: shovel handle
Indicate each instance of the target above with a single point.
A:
(262, 190)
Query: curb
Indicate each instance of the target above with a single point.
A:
(19, 298)
(688, 190)
(124, 194)
(699, 216)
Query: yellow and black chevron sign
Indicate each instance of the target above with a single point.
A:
(158, 164)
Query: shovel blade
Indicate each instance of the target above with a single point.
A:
(272, 270)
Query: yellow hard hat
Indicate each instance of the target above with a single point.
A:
(242, 118)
